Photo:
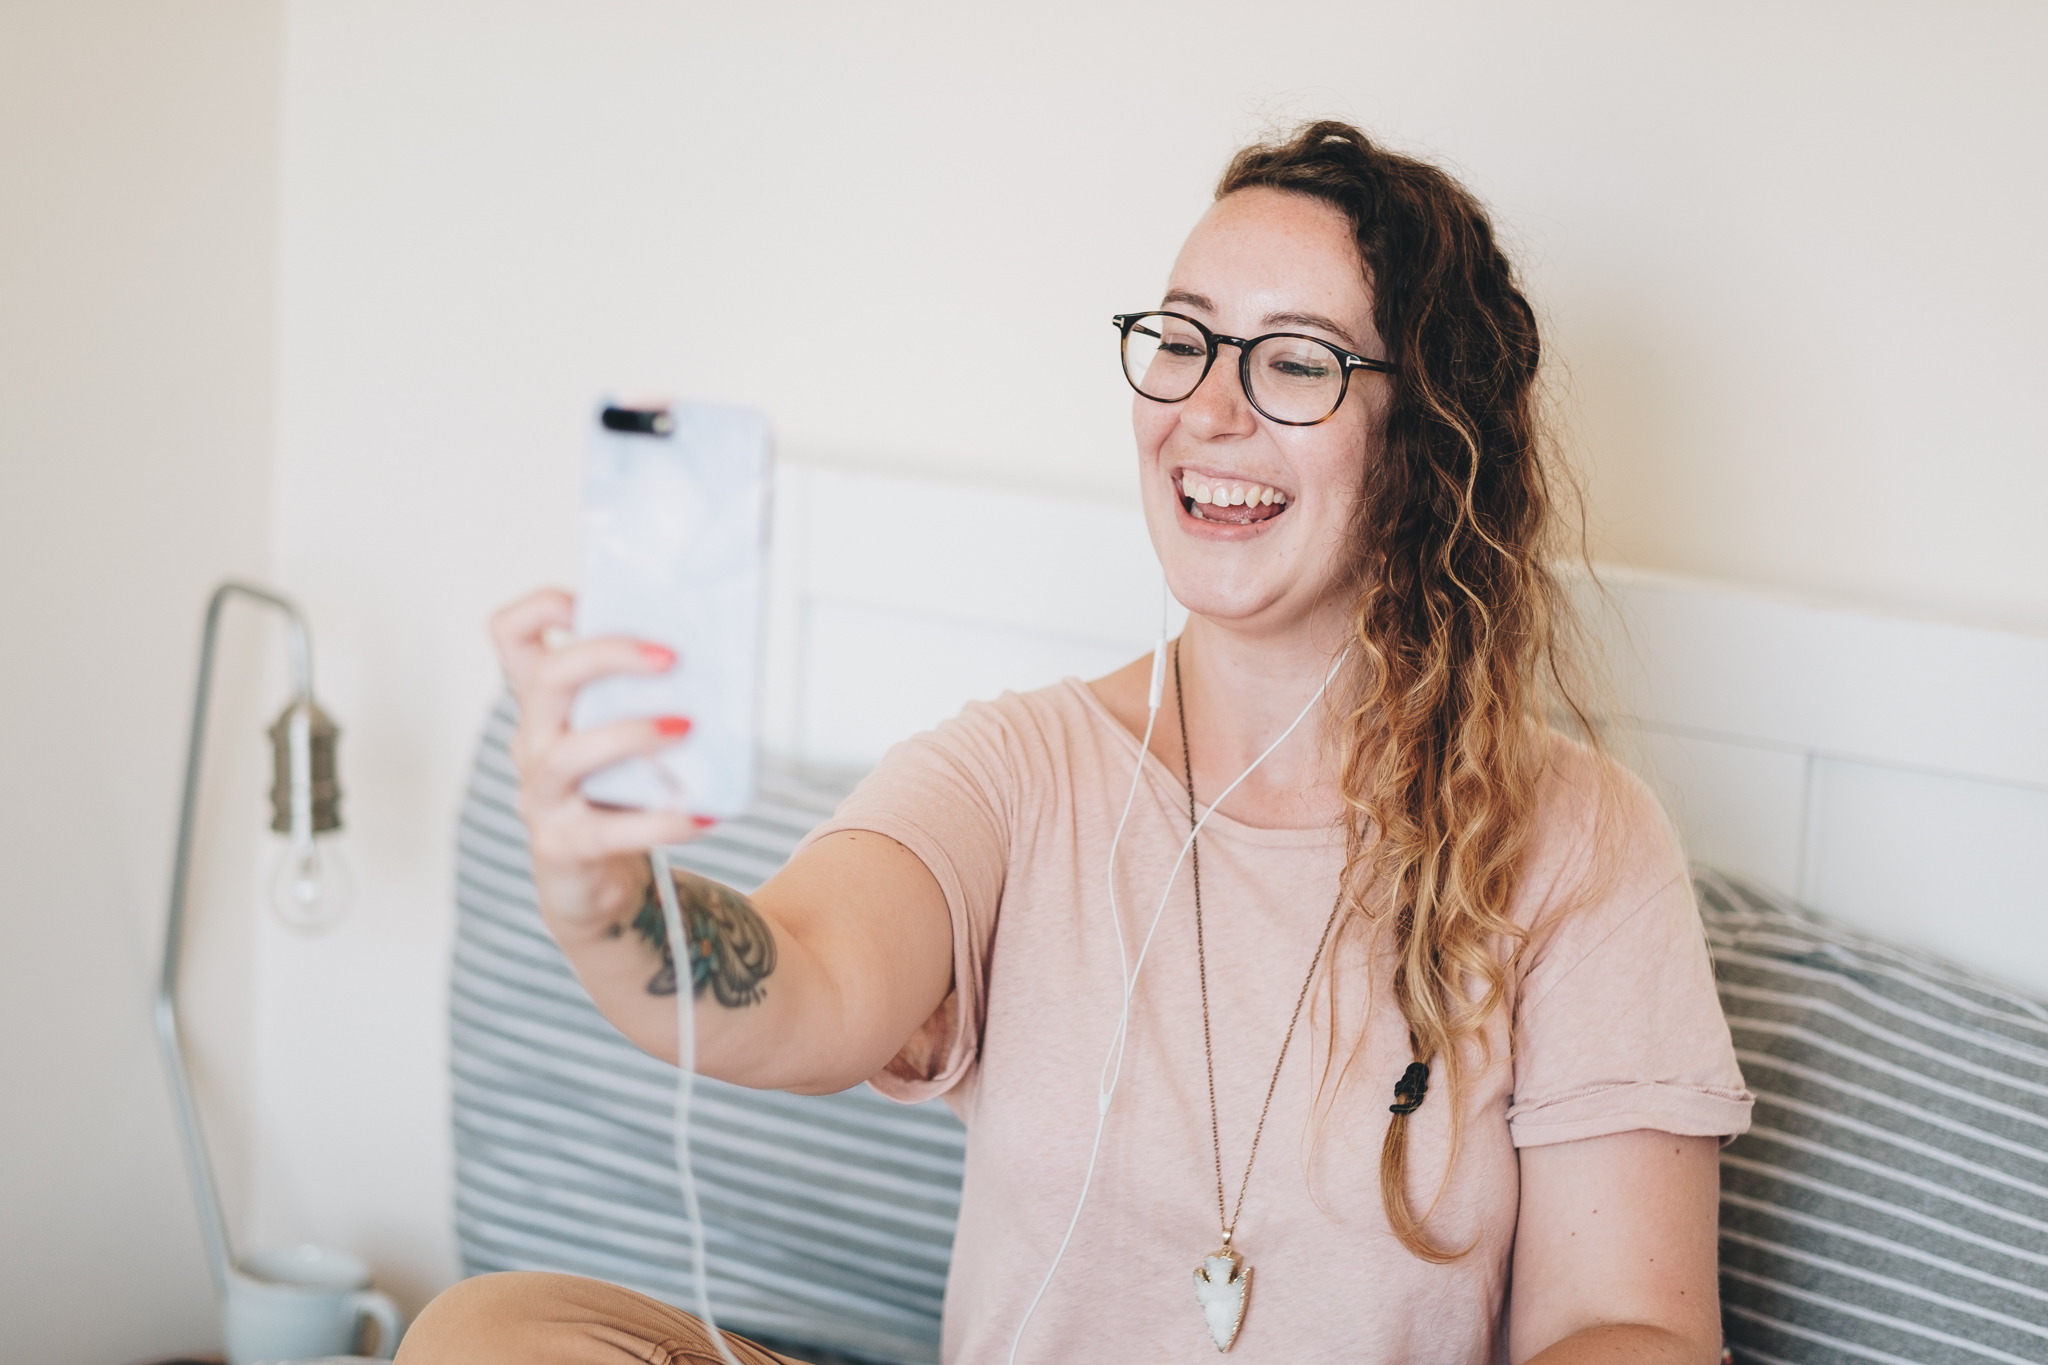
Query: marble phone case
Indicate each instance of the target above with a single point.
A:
(675, 538)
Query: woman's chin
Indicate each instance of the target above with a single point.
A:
(1257, 602)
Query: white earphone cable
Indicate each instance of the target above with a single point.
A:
(686, 1063)
(1113, 1061)
(1123, 968)
(1156, 690)
(1131, 985)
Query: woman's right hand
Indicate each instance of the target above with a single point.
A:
(589, 862)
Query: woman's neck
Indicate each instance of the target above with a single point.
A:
(1240, 692)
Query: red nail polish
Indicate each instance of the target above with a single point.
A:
(659, 656)
(672, 725)
(702, 821)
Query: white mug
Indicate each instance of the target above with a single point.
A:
(303, 1302)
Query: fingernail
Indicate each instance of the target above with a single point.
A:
(672, 725)
(702, 821)
(659, 656)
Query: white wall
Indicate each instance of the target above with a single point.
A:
(137, 226)
(1786, 254)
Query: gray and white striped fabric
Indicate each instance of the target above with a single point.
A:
(829, 1220)
(1891, 1202)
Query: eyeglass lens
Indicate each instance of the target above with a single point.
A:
(1293, 379)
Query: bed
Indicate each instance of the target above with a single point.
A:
(1866, 798)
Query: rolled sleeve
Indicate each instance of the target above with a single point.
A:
(1619, 1027)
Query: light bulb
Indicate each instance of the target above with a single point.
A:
(310, 888)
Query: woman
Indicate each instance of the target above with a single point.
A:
(1421, 899)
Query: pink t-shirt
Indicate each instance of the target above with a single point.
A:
(1615, 1026)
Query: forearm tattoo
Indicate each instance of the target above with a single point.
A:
(732, 950)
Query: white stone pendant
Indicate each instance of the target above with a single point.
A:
(1223, 1285)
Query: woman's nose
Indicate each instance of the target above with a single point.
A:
(1218, 407)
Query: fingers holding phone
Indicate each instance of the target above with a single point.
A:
(588, 859)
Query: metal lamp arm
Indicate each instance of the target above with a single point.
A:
(212, 1221)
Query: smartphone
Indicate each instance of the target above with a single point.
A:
(675, 542)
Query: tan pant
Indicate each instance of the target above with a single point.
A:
(524, 1318)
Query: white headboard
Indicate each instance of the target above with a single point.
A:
(895, 601)
(1889, 771)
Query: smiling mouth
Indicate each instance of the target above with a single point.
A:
(1233, 502)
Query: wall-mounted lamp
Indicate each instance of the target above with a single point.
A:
(302, 1301)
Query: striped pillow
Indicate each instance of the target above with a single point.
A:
(1891, 1202)
(829, 1220)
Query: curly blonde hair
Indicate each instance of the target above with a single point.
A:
(1464, 636)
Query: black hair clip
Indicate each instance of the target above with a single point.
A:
(1410, 1089)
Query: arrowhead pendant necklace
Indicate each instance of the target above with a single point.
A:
(1223, 1280)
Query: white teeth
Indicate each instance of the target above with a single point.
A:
(1203, 493)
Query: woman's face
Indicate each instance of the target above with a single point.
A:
(1261, 261)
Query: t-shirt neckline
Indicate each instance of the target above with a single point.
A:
(1317, 836)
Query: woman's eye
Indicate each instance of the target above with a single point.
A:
(1289, 367)
(1182, 348)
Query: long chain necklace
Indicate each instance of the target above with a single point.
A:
(1223, 1281)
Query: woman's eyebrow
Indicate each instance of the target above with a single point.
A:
(1310, 320)
(1201, 301)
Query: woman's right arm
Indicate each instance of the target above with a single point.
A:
(810, 984)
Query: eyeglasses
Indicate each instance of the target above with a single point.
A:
(1292, 379)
